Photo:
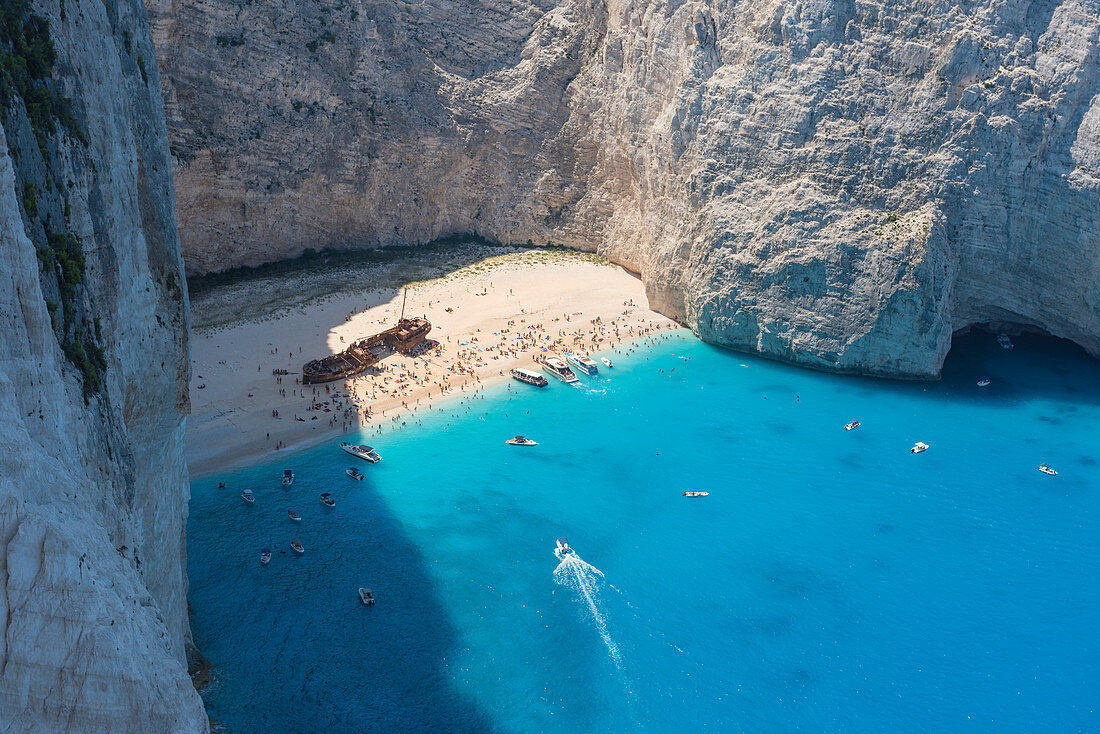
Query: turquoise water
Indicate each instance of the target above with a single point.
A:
(832, 580)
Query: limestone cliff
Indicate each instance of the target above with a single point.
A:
(93, 380)
(837, 183)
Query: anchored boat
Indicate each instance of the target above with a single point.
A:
(607, 362)
(558, 368)
(265, 556)
(354, 474)
(248, 497)
(1047, 470)
(296, 546)
(693, 493)
(529, 376)
(521, 441)
(366, 596)
(327, 501)
(919, 448)
(585, 364)
(853, 424)
(363, 452)
(293, 515)
(288, 477)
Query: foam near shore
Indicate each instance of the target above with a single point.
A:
(486, 318)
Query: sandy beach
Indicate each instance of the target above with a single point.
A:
(247, 402)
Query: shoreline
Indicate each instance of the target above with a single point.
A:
(487, 317)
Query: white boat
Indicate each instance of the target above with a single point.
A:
(529, 376)
(248, 497)
(606, 362)
(853, 424)
(558, 368)
(296, 546)
(366, 596)
(327, 501)
(521, 441)
(1005, 342)
(1047, 470)
(585, 364)
(983, 382)
(694, 493)
(919, 447)
(288, 477)
(293, 515)
(563, 548)
(265, 556)
(363, 452)
(354, 473)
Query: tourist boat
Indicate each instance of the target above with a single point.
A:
(293, 515)
(288, 477)
(853, 424)
(529, 376)
(919, 447)
(362, 354)
(558, 368)
(563, 548)
(606, 362)
(327, 501)
(585, 364)
(983, 382)
(366, 596)
(693, 493)
(248, 497)
(296, 546)
(1005, 342)
(521, 441)
(354, 474)
(265, 557)
(363, 452)
(1047, 470)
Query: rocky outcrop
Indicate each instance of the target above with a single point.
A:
(834, 183)
(94, 634)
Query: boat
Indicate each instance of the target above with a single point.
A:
(327, 501)
(1047, 470)
(521, 441)
(606, 362)
(366, 596)
(1005, 342)
(296, 546)
(585, 364)
(693, 493)
(919, 447)
(248, 497)
(853, 424)
(265, 556)
(362, 451)
(288, 477)
(354, 474)
(558, 368)
(362, 354)
(563, 548)
(293, 515)
(983, 382)
(529, 376)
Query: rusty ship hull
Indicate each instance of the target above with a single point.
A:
(403, 338)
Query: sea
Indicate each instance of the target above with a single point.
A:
(831, 581)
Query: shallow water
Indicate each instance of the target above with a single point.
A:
(832, 581)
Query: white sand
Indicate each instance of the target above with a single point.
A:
(552, 305)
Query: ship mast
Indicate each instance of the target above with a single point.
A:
(403, 301)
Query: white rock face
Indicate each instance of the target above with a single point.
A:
(834, 183)
(93, 496)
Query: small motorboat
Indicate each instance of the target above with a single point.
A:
(366, 596)
(606, 362)
(919, 447)
(265, 557)
(529, 376)
(248, 497)
(327, 501)
(1047, 470)
(693, 493)
(288, 477)
(293, 515)
(296, 546)
(363, 452)
(853, 424)
(1005, 342)
(584, 363)
(521, 441)
(354, 474)
(563, 548)
(983, 382)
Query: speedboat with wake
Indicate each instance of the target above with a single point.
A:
(919, 448)
(296, 546)
(559, 369)
(327, 501)
(606, 362)
(694, 493)
(248, 497)
(529, 376)
(363, 452)
(851, 425)
(288, 477)
(563, 548)
(1047, 470)
(366, 596)
(521, 441)
(585, 364)
(265, 557)
(354, 474)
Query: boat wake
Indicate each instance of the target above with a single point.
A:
(585, 581)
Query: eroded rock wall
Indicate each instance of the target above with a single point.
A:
(94, 634)
(837, 183)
